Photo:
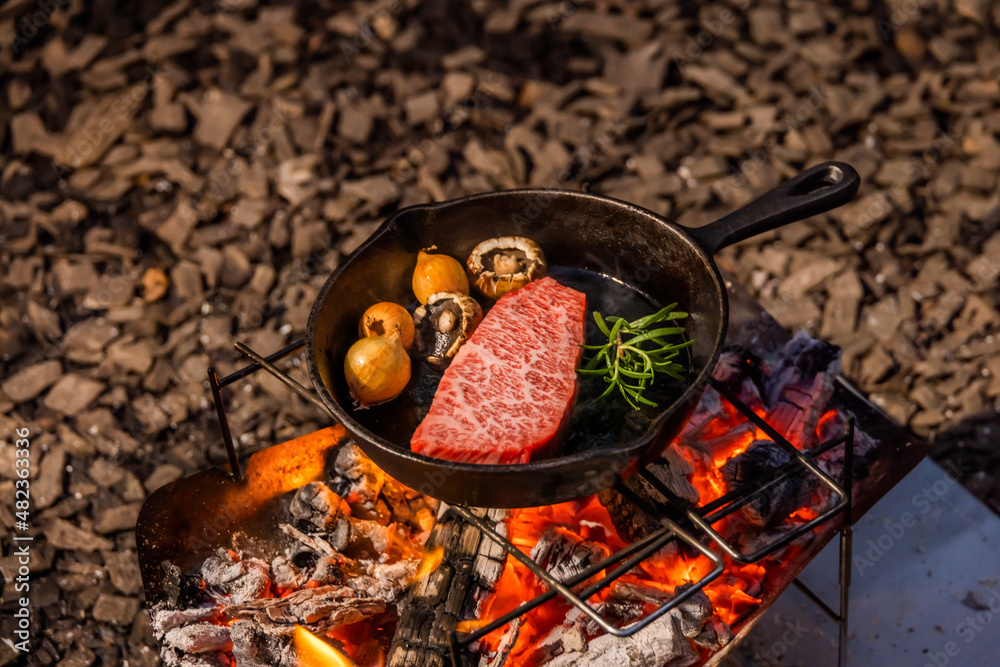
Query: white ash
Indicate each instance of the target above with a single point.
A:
(200, 638)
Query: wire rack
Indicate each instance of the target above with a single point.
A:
(693, 526)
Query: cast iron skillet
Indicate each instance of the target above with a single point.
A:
(575, 230)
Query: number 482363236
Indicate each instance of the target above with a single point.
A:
(22, 464)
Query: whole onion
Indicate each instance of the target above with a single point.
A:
(438, 273)
(377, 369)
(385, 319)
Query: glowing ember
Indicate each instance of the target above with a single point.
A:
(314, 652)
(734, 595)
(430, 562)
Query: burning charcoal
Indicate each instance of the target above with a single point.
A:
(320, 608)
(778, 500)
(240, 580)
(175, 658)
(330, 514)
(832, 461)
(318, 505)
(399, 500)
(737, 365)
(708, 409)
(369, 540)
(171, 581)
(507, 642)
(221, 569)
(252, 647)
(715, 635)
(286, 574)
(673, 470)
(694, 611)
(333, 569)
(199, 638)
(564, 553)
(313, 543)
(618, 611)
(385, 581)
(660, 643)
(164, 620)
(363, 478)
(800, 387)
(568, 637)
(691, 614)
(630, 522)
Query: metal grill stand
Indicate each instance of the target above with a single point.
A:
(667, 514)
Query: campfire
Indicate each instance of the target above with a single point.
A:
(346, 566)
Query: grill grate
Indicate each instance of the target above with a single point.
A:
(670, 515)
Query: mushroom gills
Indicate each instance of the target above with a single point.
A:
(444, 323)
(504, 264)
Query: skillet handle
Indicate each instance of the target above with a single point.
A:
(816, 190)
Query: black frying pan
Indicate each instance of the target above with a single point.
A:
(575, 230)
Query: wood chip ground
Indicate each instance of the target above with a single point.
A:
(176, 177)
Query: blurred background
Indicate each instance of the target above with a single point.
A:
(175, 177)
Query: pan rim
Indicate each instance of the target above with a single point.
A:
(632, 448)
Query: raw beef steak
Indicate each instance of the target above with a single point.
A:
(509, 390)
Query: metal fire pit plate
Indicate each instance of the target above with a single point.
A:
(189, 519)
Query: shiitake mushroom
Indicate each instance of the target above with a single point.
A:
(443, 324)
(504, 264)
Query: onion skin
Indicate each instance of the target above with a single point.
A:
(377, 369)
(438, 273)
(385, 319)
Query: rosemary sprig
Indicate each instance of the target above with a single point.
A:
(636, 352)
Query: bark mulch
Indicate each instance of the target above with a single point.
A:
(177, 177)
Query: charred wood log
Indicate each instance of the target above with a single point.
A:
(779, 499)
(470, 567)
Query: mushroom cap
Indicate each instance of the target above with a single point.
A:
(437, 346)
(494, 284)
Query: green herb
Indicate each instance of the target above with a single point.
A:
(636, 354)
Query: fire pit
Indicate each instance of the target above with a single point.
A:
(672, 566)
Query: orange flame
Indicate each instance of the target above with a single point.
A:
(471, 625)
(733, 595)
(430, 562)
(314, 652)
